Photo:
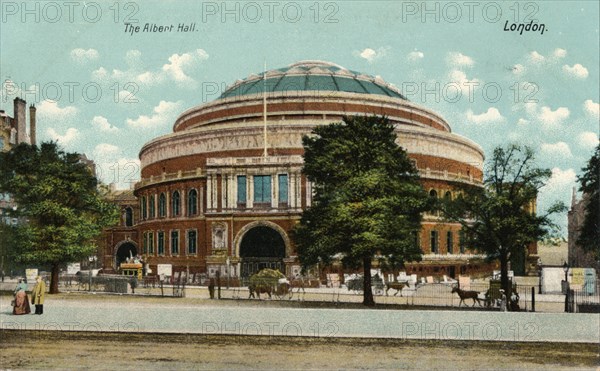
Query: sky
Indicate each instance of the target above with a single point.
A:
(498, 72)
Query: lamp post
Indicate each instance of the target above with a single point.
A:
(566, 286)
(539, 265)
(93, 259)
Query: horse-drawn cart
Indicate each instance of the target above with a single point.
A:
(270, 282)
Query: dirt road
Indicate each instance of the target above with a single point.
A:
(111, 351)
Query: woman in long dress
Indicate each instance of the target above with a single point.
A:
(21, 299)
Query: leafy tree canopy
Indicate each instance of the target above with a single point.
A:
(367, 197)
(58, 197)
(499, 218)
(589, 237)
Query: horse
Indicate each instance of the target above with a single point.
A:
(280, 289)
(259, 289)
(398, 286)
(467, 295)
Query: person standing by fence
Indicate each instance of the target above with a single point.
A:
(38, 294)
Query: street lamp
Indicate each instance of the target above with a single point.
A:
(566, 269)
(228, 262)
(93, 259)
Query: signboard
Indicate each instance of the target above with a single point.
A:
(577, 278)
(73, 268)
(31, 274)
(164, 269)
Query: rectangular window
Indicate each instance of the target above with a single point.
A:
(434, 242)
(450, 242)
(151, 243)
(241, 190)
(192, 242)
(144, 210)
(174, 242)
(462, 241)
(161, 243)
(262, 189)
(145, 243)
(283, 189)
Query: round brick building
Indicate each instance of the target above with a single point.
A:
(223, 191)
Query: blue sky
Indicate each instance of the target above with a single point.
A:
(105, 92)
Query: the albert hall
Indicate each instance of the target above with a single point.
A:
(226, 187)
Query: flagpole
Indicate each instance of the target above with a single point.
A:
(265, 111)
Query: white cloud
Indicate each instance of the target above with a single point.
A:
(415, 55)
(523, 122)
(178, 63)
(372, 55)
(50, 111)
(588, 139)
(560, 181)
(178, 69)
(560, 53)
(105, 150)
(163, 114)
(121, 171)
(559, 149)
(102, 124)
(70, 135)
(592, 108)
(577, 71)
(545, 116)
(536, 58)
(518, 69)
(456, 59)
(83, 56)
(467, 85)
(492, 115)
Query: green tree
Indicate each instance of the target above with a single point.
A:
(498, 219)
(58, 198)
(367, 199)
(589, 237)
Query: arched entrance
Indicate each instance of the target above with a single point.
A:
(261, 247)
(125, 251)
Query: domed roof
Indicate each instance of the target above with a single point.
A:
(312, 76)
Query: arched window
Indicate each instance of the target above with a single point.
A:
(128, 217)
(162, 205)
(175, 204)
(448, 196)
(192, 208)
(433, 193)
(152, 208)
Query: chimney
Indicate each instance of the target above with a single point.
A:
(20, 124)
(32, 124)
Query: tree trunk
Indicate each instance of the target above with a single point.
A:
(504, 282)
(367, 292)
(54, 279)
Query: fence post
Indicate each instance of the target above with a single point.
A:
(533, 299)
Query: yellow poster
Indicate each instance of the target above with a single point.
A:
(578, 275)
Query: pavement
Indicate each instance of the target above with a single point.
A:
(100, 313)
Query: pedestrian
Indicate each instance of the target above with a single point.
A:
(21, 301)
(38, 294)
(3, 275)
(211, 287)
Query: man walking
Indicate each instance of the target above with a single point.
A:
(38, 294)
